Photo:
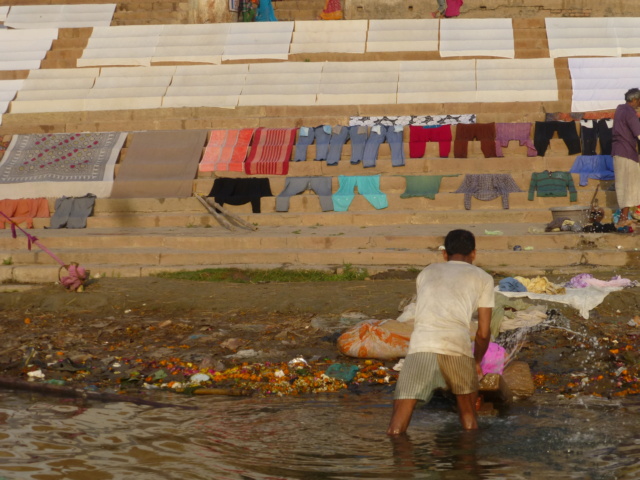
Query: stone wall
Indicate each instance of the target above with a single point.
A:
(363, 9)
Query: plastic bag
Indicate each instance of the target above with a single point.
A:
(493, 360)
(381, 339)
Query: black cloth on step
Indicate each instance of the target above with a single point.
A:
(238, 191)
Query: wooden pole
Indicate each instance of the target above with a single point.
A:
(232, 216)
(223, 221)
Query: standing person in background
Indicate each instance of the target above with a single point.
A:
(247, 10)
(442, 7)
(332, 10)
(453, 8)
(626, 133)
(440, 352)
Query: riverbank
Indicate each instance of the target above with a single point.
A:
(134, 335)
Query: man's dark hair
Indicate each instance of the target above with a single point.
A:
(459, 242)
(632, 95)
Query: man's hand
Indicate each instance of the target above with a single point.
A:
(479, 371)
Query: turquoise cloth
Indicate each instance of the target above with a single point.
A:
(368, 186)
(423, 186)
(265, 12)
(346, 373)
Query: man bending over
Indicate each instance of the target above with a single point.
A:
(440, 352)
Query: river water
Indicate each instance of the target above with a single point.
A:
(336, 436)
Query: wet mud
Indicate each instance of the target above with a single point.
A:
(134, 334)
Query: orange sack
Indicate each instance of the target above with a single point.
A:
(381, 339)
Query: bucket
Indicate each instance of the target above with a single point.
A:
(578, 214)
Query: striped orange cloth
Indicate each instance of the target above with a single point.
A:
(226, 150)
(270, 151)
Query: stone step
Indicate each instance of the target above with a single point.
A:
(305, 257)
(506, 263)
(241, 117)
(248, 117)
(363, 218)
(310, 237)
(144, 251)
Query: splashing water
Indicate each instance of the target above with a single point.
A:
(514, 340)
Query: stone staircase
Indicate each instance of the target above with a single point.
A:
(143, 236)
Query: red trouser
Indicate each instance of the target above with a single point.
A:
(484, 132)
(419, 136)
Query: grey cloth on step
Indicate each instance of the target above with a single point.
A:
(72, 212)
(296, 185)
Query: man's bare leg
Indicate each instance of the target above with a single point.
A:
(624, 217)
(467, 410)
(401, 416)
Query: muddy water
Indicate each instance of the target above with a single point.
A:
(329, 437)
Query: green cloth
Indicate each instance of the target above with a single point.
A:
(552, 184)
(423, 186)
(503, 302)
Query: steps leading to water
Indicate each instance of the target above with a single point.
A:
(137, 237)
(142, 251)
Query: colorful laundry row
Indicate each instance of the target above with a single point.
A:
(484, 187)
(239, 191)
(164, 164)
(493, 138)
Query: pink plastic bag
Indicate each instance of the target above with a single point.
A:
(493, 361)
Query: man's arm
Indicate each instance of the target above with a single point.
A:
(483, 336)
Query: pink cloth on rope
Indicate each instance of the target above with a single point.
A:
(77, 275)
(75, 279)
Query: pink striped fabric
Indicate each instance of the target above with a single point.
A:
(226, 150)
(270, 151)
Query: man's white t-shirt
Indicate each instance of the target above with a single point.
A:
(448, 295)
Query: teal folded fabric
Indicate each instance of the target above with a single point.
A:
(423, 185)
